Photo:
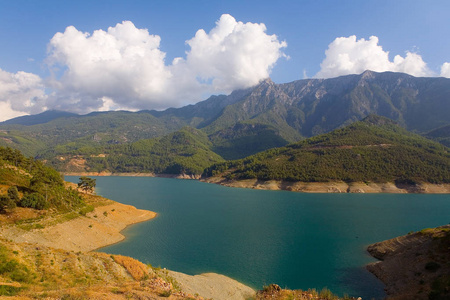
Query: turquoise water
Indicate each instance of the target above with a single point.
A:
(296, 240)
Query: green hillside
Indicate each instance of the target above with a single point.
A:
(245, 139)
(187, 151)
(27, 182)
(372, 150)
(75, 132)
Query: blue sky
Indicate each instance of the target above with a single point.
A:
(37, 75)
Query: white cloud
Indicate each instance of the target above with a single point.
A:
(347, 55)
(20, 93)
(126, 66)
(445, 70)
(123, 63)
(233, 54)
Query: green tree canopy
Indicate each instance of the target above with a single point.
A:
(87, 184)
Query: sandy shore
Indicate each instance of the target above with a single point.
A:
(97, 229)
(213, 286)
(333, 187)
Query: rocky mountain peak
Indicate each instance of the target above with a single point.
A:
(367, 74)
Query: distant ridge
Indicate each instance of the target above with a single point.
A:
(41, 118)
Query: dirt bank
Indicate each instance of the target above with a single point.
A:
(97, 229)
(332, 187)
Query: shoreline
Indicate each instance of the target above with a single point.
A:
(103, 227)
(132, 174)
(296, 186)
(333, 187)
(99, 228)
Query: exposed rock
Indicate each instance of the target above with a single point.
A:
(415, 266)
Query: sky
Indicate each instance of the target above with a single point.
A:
(83, 56)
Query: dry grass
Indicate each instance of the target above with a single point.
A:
(137, 270)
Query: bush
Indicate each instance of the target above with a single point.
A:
(432, 266)
(34, 200)
(6, 203)
(6, 290)
(13, 194)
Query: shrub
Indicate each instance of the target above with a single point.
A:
(6, 203)
(34, 200)
(432, 266)
(13, 194)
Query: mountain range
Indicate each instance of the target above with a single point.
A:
(246, 121)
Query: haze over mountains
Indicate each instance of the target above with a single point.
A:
(247, 121)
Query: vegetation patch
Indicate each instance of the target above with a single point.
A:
(372, 150)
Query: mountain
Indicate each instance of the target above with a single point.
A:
(254, 119)
(372, 150)
(313, 106)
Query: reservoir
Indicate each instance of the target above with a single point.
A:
(296, 240)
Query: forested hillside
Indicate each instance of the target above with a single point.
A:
(372, 150)
(187, 151)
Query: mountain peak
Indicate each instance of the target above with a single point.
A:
(367, 74)
(266, 81)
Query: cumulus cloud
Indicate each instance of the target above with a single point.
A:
(445, 70)
(20, 93)
(233, 54)
(123, 63)
(126, 66)
(347, 55)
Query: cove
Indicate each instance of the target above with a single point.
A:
(296, 240)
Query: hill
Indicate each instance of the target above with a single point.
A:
(280, 113)
(372, 150)
(187, 151)
(27, 182)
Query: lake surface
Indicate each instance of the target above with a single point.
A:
(296, 240)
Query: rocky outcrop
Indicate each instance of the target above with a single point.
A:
(415, 266)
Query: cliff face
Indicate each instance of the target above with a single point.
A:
(414, 266)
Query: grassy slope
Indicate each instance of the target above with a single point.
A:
(374, 150)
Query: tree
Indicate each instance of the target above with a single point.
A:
(6, 203)
(13, 194)
(34, 200)
(87, 184)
